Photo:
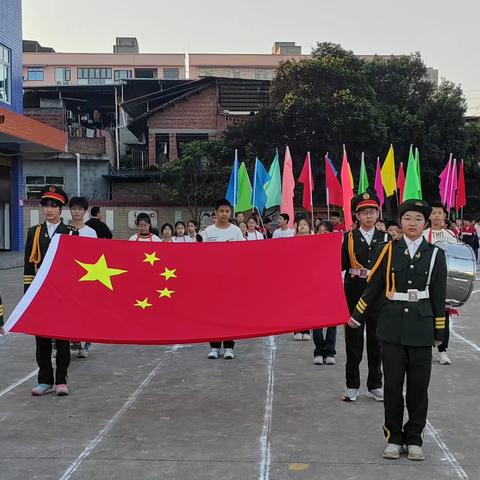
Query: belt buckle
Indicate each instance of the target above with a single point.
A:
(363, 273)
(412, 295)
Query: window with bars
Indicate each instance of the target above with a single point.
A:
(120, 75)
(94, 76)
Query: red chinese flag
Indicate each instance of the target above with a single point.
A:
(334, 189)
(401, 182)
(461, 199)
(114, 291)
(307, 180)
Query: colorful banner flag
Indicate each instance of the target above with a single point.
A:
(379, 185)
(346, 178)
(244, 200)
(445, 181)
(389, 180)
(274, 186)
(401, 182)
(461, 200)
(232, 190)
(288, 187)
(419, 174)
(452, 186)
(307, 179)
(139, 293)
(334, 189)
(363, 178)
(260, 178)
(412, 189)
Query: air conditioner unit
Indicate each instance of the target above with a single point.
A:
(59, 82)
(66, 83)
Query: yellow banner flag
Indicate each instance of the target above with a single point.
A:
(389, 179)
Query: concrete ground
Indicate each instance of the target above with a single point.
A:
(169, 413)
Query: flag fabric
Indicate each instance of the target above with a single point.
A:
(138, 293)
(412, 189)
(331, 165)
(307, 179)
(288, 187)
(401, 182)
(334, 189)
(452, 186)
(232, 190)
(445, 180)
(345, 176)
(363, 178)
(244, 200)
(379, 185)
(461, 200)
(260, 178)
(417, 164)
(389, 180)
(274, 186)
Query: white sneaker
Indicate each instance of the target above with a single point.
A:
(214, 353)
(416, 452)
(82, 353)
(444, 360)
(306, 337)
(350, 394)
(376, 394)
(392, 451)
(298, 336)
(228, 354)
(318, 360)
(330, 361)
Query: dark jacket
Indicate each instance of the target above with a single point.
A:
(400, 322)
(101, 228)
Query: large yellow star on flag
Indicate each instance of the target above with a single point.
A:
(166, 293)
(143, 304)
(99, 272)
(169, 273)
(151, 258)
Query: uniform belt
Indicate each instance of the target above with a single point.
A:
(359, 272)
(412, 295)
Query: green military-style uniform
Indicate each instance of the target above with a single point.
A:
(412, 316)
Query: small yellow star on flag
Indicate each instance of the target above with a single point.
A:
(99, 272)
(143, 304)
(151, 258)
(165, 293)
(169, 273)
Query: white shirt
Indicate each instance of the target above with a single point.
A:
(443, 235)
(137, 238)
(184, 239)
(413, 245)
(368, 236)
(255, 236)
(51, 227)
(87, 231)
(279, 233)
(230, 234)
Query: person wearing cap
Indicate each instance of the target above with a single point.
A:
(410, 275)
(53, 198)
(359, 252)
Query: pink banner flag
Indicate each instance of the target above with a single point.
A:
(379, 184)
(444, 181)
(452, 188)
(288, 187)
(347, 189)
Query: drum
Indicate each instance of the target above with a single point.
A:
(462, 268)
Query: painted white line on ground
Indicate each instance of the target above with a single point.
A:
(463, 339)
(449, 456)
(131, 399)
(18, 382)
(475, 291)
(265, 453)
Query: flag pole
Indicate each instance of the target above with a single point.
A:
(254, 186)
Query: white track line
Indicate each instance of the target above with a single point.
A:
(265, 459)
(449, 456)
(463, 339)
(106, 429)
(18, 382)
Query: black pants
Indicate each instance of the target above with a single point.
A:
(446, 335)
(416, 364)
(325, 346)
(354, 340)
(44, 361)
(226, 344)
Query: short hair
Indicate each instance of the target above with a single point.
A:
(328, 225)
(94, 211)
(285, 216)
(239, 213)
(381, 220)
(165, 225)
(391, 224)
(335, 214)
(79, 201)
(300, 216)
(143, 216)
(194, 223)
(180, 223)
(438, 205)
(223, 202)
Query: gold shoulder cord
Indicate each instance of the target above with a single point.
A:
(390, 276)
(36, 255)
(351, 252)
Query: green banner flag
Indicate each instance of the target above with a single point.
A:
(413, 189)
(244, 198)
(417, 165)
(274, 186)
(363, 180)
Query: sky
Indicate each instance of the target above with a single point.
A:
(444, 32)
